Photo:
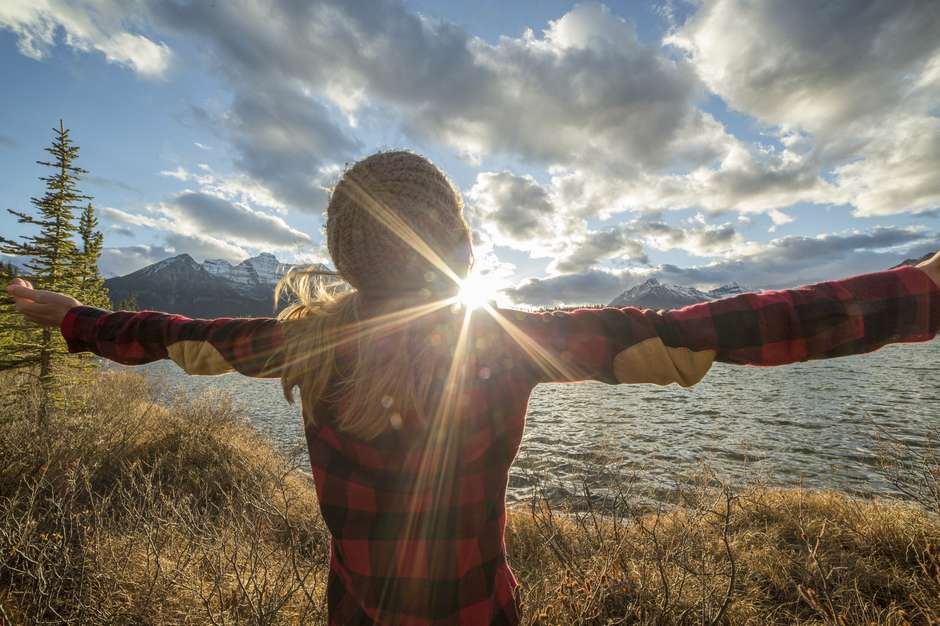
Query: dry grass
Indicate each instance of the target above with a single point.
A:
(123, 511)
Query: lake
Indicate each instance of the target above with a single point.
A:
(809, 423)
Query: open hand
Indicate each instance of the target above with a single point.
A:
(932, 267)
(46, 308)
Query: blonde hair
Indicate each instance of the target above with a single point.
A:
(396, 233)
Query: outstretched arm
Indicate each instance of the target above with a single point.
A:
(830, 319)
(250, 346)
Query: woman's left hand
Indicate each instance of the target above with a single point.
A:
(46, 308)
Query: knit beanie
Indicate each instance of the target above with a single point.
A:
(392, 219)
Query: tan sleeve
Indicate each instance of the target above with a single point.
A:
(650, 361)
(198, 357)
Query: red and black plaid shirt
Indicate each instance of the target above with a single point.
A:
(417, 515)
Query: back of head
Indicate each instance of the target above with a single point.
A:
(397, 236)
(395, 225)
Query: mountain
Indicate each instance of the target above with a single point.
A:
(215, 288)
(915, 261)
(18, 262)
(656, 295)
(263, 269)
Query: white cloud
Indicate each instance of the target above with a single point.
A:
(85, 25)
(810, 65)
(899, 171)
(514, 210)
(617, 122)
(610, 103)
(179, 173)
(209, 226)
(122, 260)
(199, 212)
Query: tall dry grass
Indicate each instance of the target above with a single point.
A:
(122, 510)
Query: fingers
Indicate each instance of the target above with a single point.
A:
(23, 292)
(19, 282)
(28, 293)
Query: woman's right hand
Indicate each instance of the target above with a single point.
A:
(932, 267)
(46, 308)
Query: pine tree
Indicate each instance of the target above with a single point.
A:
(129, 303)
(7, 330)
(54, 260)
(91, 289)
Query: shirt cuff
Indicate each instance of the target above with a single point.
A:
(78, 328)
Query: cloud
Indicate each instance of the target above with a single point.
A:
(811, 66)
(610, 102)
(627, 242)
(202, 246)
(86, 26)
(587, 287)
(747, 180)
(281, 137)
(899, 173)
(124, 231)
(7, 142)
(198, 212)
(514, 210)
(132, 219)
(617, 122)
(780, 263)
(595, 246)
(209, 226)
(121, 260)
(862, 78)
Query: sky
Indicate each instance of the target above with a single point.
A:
(596, 145)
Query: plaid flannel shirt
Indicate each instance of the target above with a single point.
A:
(418, 515)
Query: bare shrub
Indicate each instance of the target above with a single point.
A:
(119, 510)
(911, 468)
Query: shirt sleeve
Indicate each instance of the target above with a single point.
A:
(250, 346)
(631, 345)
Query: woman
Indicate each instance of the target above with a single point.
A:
(414, 406)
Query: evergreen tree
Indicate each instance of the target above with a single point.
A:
(7, 329)
(129, 303)
(91, 289)
(54, 260)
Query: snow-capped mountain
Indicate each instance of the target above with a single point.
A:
(656, 295)
(214, 288)
(263, 269)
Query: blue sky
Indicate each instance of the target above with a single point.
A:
(596, 145)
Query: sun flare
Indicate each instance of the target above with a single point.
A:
(475, 291)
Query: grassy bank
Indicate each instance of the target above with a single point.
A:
(121, 510)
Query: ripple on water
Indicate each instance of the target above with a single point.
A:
(810, 423)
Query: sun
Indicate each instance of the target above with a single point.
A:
(475, 292)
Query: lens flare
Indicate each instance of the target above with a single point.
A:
(475, 292)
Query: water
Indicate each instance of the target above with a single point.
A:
(810, 423)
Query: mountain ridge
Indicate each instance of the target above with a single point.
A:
(214, 288)
(654, 294)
